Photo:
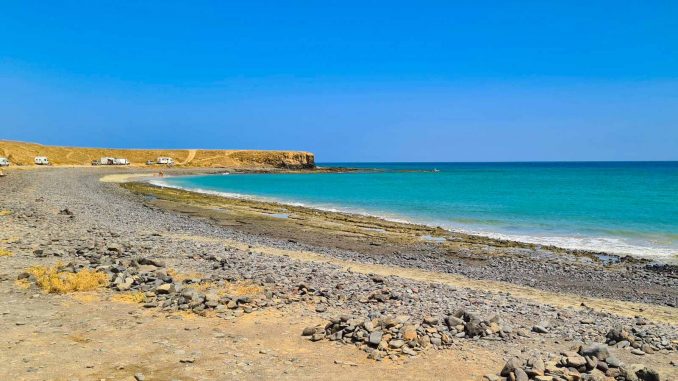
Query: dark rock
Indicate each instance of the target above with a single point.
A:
(599, 351)
(151, 262)
(613, 361)
(511, 366)
(520, 375)
(375, 337)
(320, 308)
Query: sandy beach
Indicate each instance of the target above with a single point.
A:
(201, 287)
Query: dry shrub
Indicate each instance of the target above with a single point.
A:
(5, 253)
(5, 212)
(54, 281)
(129, 297)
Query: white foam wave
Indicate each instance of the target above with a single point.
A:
(608, 245)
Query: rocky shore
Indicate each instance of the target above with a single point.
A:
(546, 314)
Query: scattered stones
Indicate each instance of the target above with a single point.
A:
(320, 308)
(375, 303)
(387, 336)
(583, 364)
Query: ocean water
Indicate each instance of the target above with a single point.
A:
(616, 207)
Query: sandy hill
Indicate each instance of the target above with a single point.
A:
(20, 153)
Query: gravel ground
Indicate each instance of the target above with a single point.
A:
(69, 215)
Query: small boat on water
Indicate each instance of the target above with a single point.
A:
(435, 170)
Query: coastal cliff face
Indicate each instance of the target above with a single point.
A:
(276, 159)
(20, 153)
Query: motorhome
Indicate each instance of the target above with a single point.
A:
(120, 161)
(107, 161)
(4, 162)
(165, 160)
(41, 160)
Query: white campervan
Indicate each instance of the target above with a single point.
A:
(4, 162)
(107, 161)
(41, 160)
(165, 160)
(120, 161)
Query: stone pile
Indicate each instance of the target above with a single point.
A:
(197, 295)
(594, 362)
(398, 336)
(639, 341)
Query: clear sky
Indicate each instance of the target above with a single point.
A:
(347, 80)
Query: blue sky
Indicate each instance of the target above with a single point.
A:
(349, 81)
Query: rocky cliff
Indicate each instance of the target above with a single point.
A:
(20, 153)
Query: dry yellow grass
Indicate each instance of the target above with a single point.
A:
(244, 289)
(233, 289)
(21, 153)
(86, 297)
(129, 297)
(80, 338)
(180, 277)
(22, 283)
(204, 286)
(184, 314)
(53, 280)
(5, 212)
(5, 253)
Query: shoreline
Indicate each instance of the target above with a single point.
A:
(381, 241)
(641, 253)
(259, 275)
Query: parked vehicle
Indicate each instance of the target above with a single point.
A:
(41, 160)
(166, 160)
(120, 161)
(4, 162)
(107, 161)
(96, 162)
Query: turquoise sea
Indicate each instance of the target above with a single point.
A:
(617, 207)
